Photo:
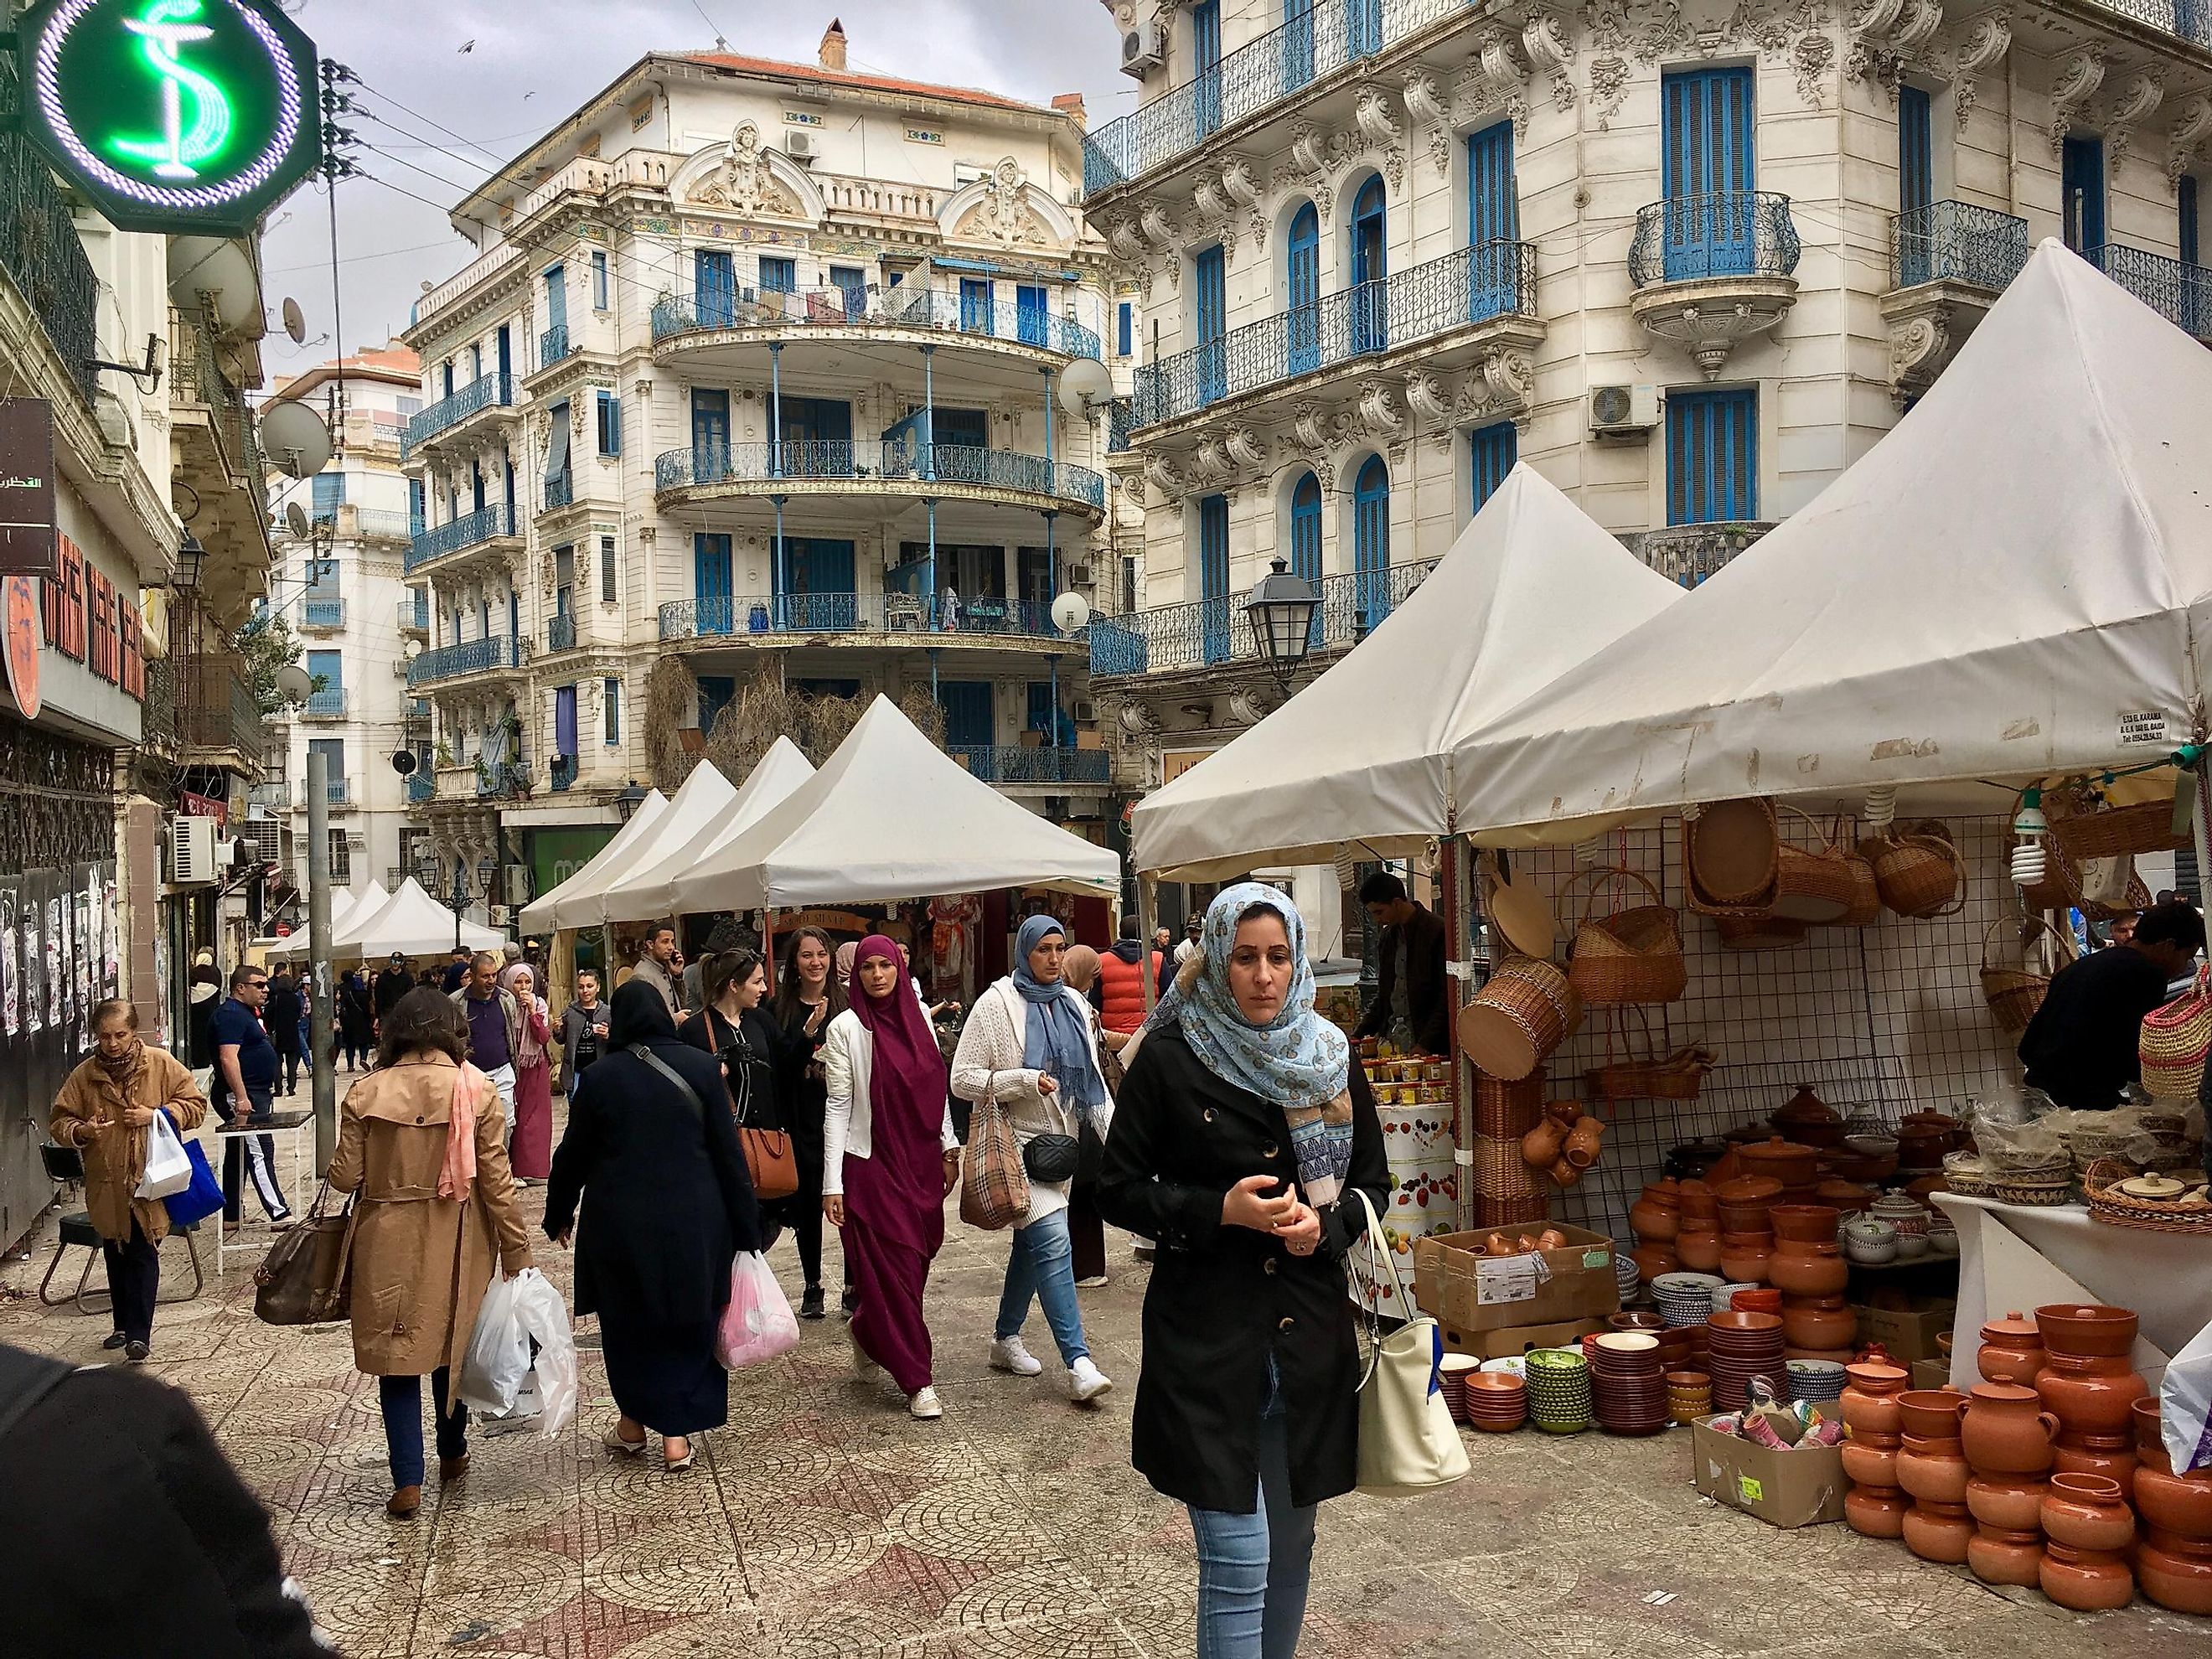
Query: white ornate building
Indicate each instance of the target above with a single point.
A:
(761, 369)
(1689, 260)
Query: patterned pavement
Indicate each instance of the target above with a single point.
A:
(823, 1523)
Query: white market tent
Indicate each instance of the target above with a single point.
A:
(546, 911)
(412, 923)
(346, 905)
(1531, 589)
(705, 796)
(890, 815)
(647, 889)
(2015, 582)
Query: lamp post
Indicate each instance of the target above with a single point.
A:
(1281, 612)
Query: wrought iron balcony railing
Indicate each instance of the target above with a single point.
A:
(378, 521)
(422, 786)
(415, 614)
(322, 613)
(974, 315)
(273, 792)
(480, 656)
(561, 633)
(336, 791)
(2185, 19)
(2179, 291)
(1117, 426)
(1957, 242)
(1006, 763)
(1316, 41)
(1472, 285)
(559, 492)
(1736, 233)
(40, 250)
(857, 613)
(869, 460)
(1204, 633)
(493, 391)
(470, 529)
(554, 347)
(561, 773)
(328, 704)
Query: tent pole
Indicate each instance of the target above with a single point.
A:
(2200, 780)
(1459, 935)
(1147, 907)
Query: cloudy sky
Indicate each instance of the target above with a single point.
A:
(441, 119)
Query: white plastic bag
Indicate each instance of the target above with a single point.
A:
(544, 1316)
(2185, 1404)
(758, 1325)
(168, 1169)
(499, 1349)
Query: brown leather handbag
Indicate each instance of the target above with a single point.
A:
(305, 1280)
(768, 1155)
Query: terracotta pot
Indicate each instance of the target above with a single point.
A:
(2109, 1456)
(1637, 1320)
(2091, 1395)
(1806, 1119)
(1822, 1322)
(2148, 1425)
(1765, 1299)
(2006, 1431)
(1938, 1531)
(2087, 1512)
(2081, 1328)
(1756, 1189)
(1656, 1216)
(1933, 1470)
(1846, 1195)
(1781, 1160)
(1652, 1260)
(2171, 1578)
(1585, 1142)
(1876, 1511)
(2006, 1555)
(1871, 1460)
(1800, 1269)
(1812, 1224)
(1744, 1257)
(2013, 1501)
(2179, 1504)
(1932, 1414)
(1699, 1203)
(1869, 1401)
(2085, 1580)
(1541, 1146)
(2011, 1351)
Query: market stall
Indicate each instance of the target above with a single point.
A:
(545, 912)
(413, 924)
(702, 800)
(646, 889)
(346, 907)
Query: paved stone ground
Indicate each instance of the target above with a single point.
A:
(823, 1522)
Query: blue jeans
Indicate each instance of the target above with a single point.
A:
(402, 1400)
(1253, 1569)
(1042, 1266)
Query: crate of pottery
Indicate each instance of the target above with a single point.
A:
(1530, 1276)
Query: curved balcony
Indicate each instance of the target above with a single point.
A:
(1948, 262)
(978, 621)
(2179, 291)
(1208, 633)
(496, 654)
(1712, 269)
(481, 529)
(871, 466)
(1493, 283)
(444, 418)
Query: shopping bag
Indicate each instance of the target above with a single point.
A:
(758, 1325)
(2184, 1398)
(304, 1280)
(498, 1353)
(544, 1318)
(168, 1169)
(994, 1186)
(202, 1199)
(1407, 1440)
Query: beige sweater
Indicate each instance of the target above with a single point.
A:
(988, 1063)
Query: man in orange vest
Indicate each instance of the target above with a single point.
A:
(1119, 992)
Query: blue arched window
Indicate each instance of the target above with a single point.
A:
(1301, 289)
(1371, 541)
(1305, 541)
(1370, 321)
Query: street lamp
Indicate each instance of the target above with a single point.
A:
(1281, 609)
(627, 802)
(192, 559)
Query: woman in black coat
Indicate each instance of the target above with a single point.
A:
(1243, 1123)
(670, 1206)
(811, 994)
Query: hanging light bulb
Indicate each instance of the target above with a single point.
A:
(2029, 861)
(1881, 808)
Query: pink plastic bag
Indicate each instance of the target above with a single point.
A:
(758, 1325)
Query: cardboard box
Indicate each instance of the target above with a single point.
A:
(1931, 1373)
(1802, 1486)
(1468, 1291)
(1909, 1336)
(1519, 1338)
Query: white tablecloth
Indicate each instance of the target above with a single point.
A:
(2016, 1257)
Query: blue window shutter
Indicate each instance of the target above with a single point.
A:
(1302, 290)
(1371, 540)
(1205, 65)
(976, 306)
(714, 287)
(1215, 628)
(609, 424)
(557, 301)
(1709, 164)
(564, 721)
(329, 667)
(611, 700)
(2185, 191)
(1712, 456)
(2081, 198)
(326, 491)
(1305, 529)
(1916, 183)
(1493, 204)
(1210, 280)
(778, 274)
(1124, 326)
(1492, 450)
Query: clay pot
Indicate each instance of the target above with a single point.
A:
(2178, 1503)
(1876, 1511)
(1744, 1257)
(2085, 1580)
(2087, 1512)
(1700, 1247)
(1784, 1161)
(1931, 1413)
(2006, 1555)
(1800, 1269)
(1938, 1532)
(2006, 1431)
(1765, 1299)
(2174, 1575)
(2109, 1456)
(1754, 1189)
(2147, 1424)
(2091, 1395)
(1564, 1173)
(1822, 1322)
(1933, 1470)
(1810, 1224)
(1870, 1460)
(1845, 1196)
(1657, 1217)
(2078, 1328)
(1637, 1320)
(1541, 1146)
(1806, 1121)
(2011, 1351)
(1652, 1260)
(1869, 1401)
(2012, 1501)
(1699, 1203)
(1584, 1141)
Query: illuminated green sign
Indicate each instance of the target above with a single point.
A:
(190, 117)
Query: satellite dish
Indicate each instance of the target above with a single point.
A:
(294, 684)
(1086, 381)
(295, 520)
(296, 438)
(295, 322)
(1071, 613)
(402, 762)
(209, 270)
(411, 650)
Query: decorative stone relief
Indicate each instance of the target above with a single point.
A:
(1551, 53)
(1424, 107)
(1004, 215)
(2136, 101)
(1247, 451)
(1240, 182)
(1984, 47)
(2076, 84)
(1379, 416)
(1503, 383)
(1161, 473)
(1126, 238)
(743, 183)
(1379, 125)
(2192, 122)
(1159, 226)
(1492, 81)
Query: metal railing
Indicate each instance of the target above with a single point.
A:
(336, 791)
(869, 460)
(676, 314)
(561, 773)
(2179, 291)
(1472, 285)
(506, 779)
(1731, 233)
(857, 613)
(224, 713)
(2185, 19)
(1316, 42)
(40, 250)
(225, 403)
(322, 613)
(381, 521)
(1006, 763)
(1956, 242)
(561, 633)
(559, 492)
(1207, 632)
(415, 615)
(329, 704)
(1687, 553)
(456, 534)
(492, 391)
(554, 346)
(1117, 425)
(274, 792)
(480, 656)
(422, 786)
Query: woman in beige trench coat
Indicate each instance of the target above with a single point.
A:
(105, 1109)
(436, 1212)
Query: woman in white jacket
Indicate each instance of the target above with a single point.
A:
(1030, 1045)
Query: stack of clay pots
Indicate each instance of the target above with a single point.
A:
(1746, 1207)
(2088, 1380)
(1564, 1144)
(1697, 1244)
(2008, 1449)
(2092, 1531)
(1808, 1267)
(1875, 1504)
(1655, 1218)
(1931, 1465)
(2173, 1564)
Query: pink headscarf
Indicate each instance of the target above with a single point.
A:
(530, 1051)
(841, 965)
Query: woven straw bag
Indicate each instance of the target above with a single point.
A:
(2014, 993)
(1631, 956)
(1819, 888)
(1919, 872)
(2175, 1040)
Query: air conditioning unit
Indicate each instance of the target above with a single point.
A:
(399, 666)
(1623, 410)
(192, 851)
(801, 146)
(1084, 711)
(1079, 573)
(498, 915)
(1144, 48)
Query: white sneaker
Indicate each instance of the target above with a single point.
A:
(865, 1370)
(1008, 1354)
(1093, 1284)
(1086, 1381)
(924, 1404)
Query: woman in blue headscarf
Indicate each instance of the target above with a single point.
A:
(1029, 1044)
(1244, 1126)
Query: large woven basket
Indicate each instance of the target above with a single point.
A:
(2014, 993)
(2109, 831)
(1818, 887)
(2175, 1040)
(1631, 956)
(1918, 873)
(1729, 855)
(1501, 1177)
(2101, 1191)
(1866, 893)
(1506, 1111)
(1759, 932)
(1526, 1011)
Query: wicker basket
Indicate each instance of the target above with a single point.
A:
(2175, 1040)
(2013, 1189)
(1526, 1011)
(1729, 857)
(1632, 956)
(2147, 827)
(2014, 993)
(1918, 873)
(1866, 893)
(2100, 1188)
(1506, 1111)
(1756, 931)
(1817, 887)
(1502, 1178)
(1679, 1076)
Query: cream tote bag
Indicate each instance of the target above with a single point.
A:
(1407, 1440)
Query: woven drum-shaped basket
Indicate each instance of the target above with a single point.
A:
(1501, 1177)
(2147, 827)
(1632, 956)
(1526, 1011)
(1506, 1111)
(1866, 894)
(2175, 1040)
(1759, 932)
(2013, 993)
(1730, 851)
(1919, 874)
(1817, 889)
